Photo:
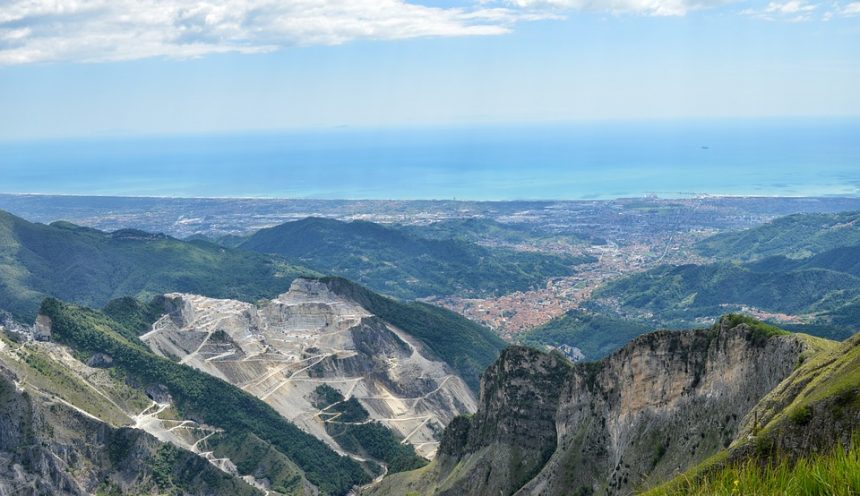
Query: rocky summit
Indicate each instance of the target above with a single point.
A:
(660, 405)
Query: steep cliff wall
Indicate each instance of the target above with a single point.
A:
(659, 405)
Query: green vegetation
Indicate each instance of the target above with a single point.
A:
(794, 236)
(259, 458)
(595, 335)
(402, 264)
(348, 423)
(336, 407)
(198, 395)
(696, 290)
(831, 376)
(805, 265)
(489, 231)
(91, 267)
(676, 296)
(836, 473)
(135, 315)
(468, 347)
(759, 331)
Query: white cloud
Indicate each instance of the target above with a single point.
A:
(851, 9)
(643, 7)
(791, 10)
(108, 30)
(792, 7)
(111, 30)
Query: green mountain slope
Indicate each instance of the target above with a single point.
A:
(594, 334)
(403, 264)
(91, 267)
(489, 231)
(825, 288)
(793, 236)
(202, 397)
(697, 290)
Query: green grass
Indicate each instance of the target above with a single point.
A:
(829, 371)
(836, 473)
(783, 456)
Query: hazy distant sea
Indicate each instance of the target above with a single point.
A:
(607, 160)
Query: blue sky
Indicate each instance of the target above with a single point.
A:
(103, 67)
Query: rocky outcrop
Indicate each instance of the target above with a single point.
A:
(816, 408)
(661, 404)
(281, 350)
(48, 446)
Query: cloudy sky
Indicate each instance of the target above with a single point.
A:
(101, 67)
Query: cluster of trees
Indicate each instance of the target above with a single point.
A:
(346, 422)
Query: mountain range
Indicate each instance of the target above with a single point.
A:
(800, 272)
(137, 363)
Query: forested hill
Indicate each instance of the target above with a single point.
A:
(823, 290)
(402, 264)
(91, 267)
(793, 236)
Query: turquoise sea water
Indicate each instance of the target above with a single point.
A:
(572, 161)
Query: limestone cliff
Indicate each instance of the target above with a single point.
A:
(661, 404)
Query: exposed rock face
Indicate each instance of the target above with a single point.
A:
(816, 408)
(661, 404)
(48, 446)
(281, 350)
(67, 427)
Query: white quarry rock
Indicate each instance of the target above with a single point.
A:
(282, 349)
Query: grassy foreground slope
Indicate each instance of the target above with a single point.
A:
(200, 396)
(91, 267)
(801, 439)
(402, 264)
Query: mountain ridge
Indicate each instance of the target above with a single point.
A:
(610, 432)
(91, 267)
(403, 264)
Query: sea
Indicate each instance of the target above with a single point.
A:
(560, 161)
